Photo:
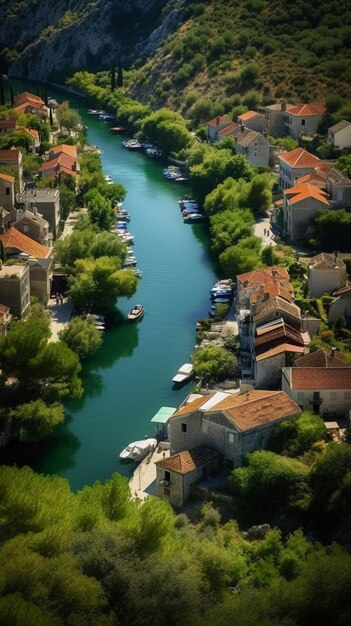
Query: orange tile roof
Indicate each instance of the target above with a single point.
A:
(65, 149)
(25, 96)
(189, 460)
(248, 115)
(61, 160)
(256, 408)
(283, 347)
(303, 191)
(10, 179)
(14, 239)
(299, 158)
(322, 358)
(218, 120)
(308, 109)
(278, 202)
(192, 406)
(320, 378)
(9, 123)
(262, 276)
(228, 129)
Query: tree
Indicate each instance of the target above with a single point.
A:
(217, 165)
(228, 227)
(98, 283)
(168, 130)
(35, 420)
(81, 336)
(243, 257)
(328, 475)
(67, 200)
(68, 118)
(214, 362)
(270, 480)
(333, 225)
(297, 435)
(99, 208)
(119, 74)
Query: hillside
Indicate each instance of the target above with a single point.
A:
(186, 49)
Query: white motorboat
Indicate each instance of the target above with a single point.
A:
(184, 373)
(137, 450)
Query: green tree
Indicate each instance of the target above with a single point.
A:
(98, 283)
(242, 257)
(36, 420)
(333, 229)
(68, 118)
(81, 336)
(297, 435)
(228, 227)
(214, 362)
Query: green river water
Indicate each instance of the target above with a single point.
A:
(129, 378)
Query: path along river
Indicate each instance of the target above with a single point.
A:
(129, 378)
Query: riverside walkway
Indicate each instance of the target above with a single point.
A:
(143, 482)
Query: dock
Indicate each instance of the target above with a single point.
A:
(143, 482)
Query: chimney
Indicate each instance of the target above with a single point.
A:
(283, 106)
(333, 350)
(217, 121)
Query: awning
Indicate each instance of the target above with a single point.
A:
(162, 416)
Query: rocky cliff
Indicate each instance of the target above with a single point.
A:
(53, 39)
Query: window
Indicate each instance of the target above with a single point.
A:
(184, 428)
(347, 395)
(168, 476)
(7, 191)
(167, 492)
(231, 437)
(25, 227)
(255, 153)
(300, 396)
(303, 122)
(333, 395)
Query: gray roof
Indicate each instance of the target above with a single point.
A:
(246, 137)
(325, 260)
(339, 126)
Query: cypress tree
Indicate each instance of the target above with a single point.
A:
(113, 77)
(119, 74)
(12, 97)
(2, 91)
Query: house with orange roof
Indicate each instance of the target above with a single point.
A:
(326, 274)
(339, 135)
(216, 125)
(275, 118)
(227, 131)
(324, 390)
(304, 119)
(60, 165)
(301, 204)
(252, 120)
(62, 148)
(32, 224)
(39, 259)
(13, 159)
(15, 288)
(29, 103)
(294, 164)
(7, 191)
(267, 282)
(253, 146)
(327, 178)
(230, 424)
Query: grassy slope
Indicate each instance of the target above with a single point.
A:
(299, 50)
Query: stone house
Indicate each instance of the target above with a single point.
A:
(301, 204)
(39, 261)
(32, 224)
(215, 126)
(330, 180)
(5, 318)
(253, 145)
(228, 131)
(275, 118)
(252, 120)
(175, 475)
(324, 390)
(29, 103)
(295, 164)
(15, 288)
(47, 203)
(266, 282)
(326, 273)
(7, 191)
(341, 306)
(59, 166)
(339, 135)
(303, 119)
(13, 158)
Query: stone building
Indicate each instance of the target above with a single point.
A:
(15, 288)
(47, 203)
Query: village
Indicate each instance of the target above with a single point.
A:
(279, 374)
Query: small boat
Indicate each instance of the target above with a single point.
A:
(184, 373)
(117, 129)
(132, 144)
(123, 215)
(137, 450)
(222, 300)
(108, 178)
(124, 236)
(122, 225)
(194, 217)
(136, 313)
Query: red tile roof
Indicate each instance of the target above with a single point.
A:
(26, 96)
(189, 460)
(320, 378)
(60, 162)
(305, 110)
(299, 158)
(227, 130)
(262, 276)
(249, 115)
(280, 349)
(277, 336)
(9, 155)
(218, 120)
(65, 149)
(322, 358)
(14, 239)
(303, 191)
(256, 408)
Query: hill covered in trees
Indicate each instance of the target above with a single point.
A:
(186, 49)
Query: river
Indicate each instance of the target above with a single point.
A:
(129, 378)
